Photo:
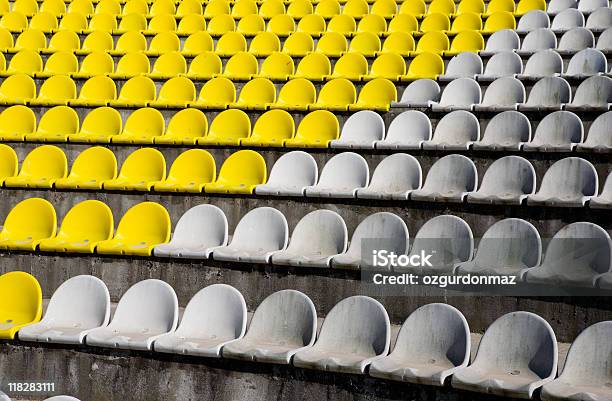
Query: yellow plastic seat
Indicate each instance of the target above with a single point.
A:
(217, 93)
(466, 41)
(296, 94)
(160, 7)
(133, 22)
(315, 67)
(466, 22)
(197, 43)
(221, 24)
(65, 40)
(140, 171)
(103, 22)
(336, 94)
(99, 126)
(62, 62)
(388, 65)
(162, 23)
(332, 44)
(187, 7)
(494, 6)
(189, 172)
(6, 39)
(96, 63)
(169, 65)
(56, 125)
(435, 22)
(216, 7)
(424, 65)
(72, 21)
(184, 128)
(90, 168)
(446, 7)
(251, 25)
(132, 64)
(2, 62)
(176, 92)
(366, 43)
(164, 42)
(298, 44)
(242, 8)
(191, 23)
(256, 94)
(227, 128)
(471, 6)
(376, 95)
(231, 43)
(44, 21)
(111, 7)
(264, 44)
(56, 90)
(55, 7)
(281, 25)
(300, 8)
(14, 21)
(17, 89)
(316, 130)
(241, 66)
(498, 21)
(312, 24)
(272, 128)
(9, 164)
(141, 127)
(32, 39)
(240, 173)
(404, 23)
(401, 43)
(136, 92)
(206, 65)
(131, 42)
(413, 7)
(372, 23)
(15, 122)
(433, 42)
(327, 8)
(342, 24)
(351, 66)
(20, 293)
(26, 7)
(141, 228)
(98, 41)
(356, 8)
(40, 168)
(28, 222)
(524, 6)
(5, 7)
(277, 66)
(385, 8)
(96, 91)
(271, 8)
(136, 7)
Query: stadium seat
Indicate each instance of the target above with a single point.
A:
(199, 231)
(415, 8)
(457, 130)
(316, 130)
(162, 7)
(72, 21)
(132, 41)
(419, 93)
(387, 183)
(341, 176)
(360, 130)
(504, 93)
(507, 181)
(135, 92)
(559, 131)
(331, 233)
(242, 8)
(544, 63)
(587, 62)
(228, 128)
(509, 370)
(598, 140)
(332, 44)
(21, 300)
(463, 65)
(575, 40)
(425, 65)
(548, 94)
(103, 22)
(188, 7)
(467, 21)
(365, 43)
(434, 42)
(15, 122)
(298, 44)
(593, 94)
(99, 126)
(9, 164)
(56, 90)
(198, 42)
(240, 173)
(28, 222)
(131, 65)
(399, 136)
(99, 41)
(184, 128)
(290, 175)
(296, 94)
(355, 8)
(337, 94)
(401, 43)
(141, 127)
(231, 43)
(432, 344)
(377, 94)
(271, 129)
(256, 94)
(96, 91)
(283, 24)
(277, 66)
(176, 92)
(575, 256)
(264, 44)
(169, 65)
(503, 40)
(60, 63)
(251, 25)
(205, 66)
(459, 94)
(379, 231)
(537, 40)
(387, 65)
(467, 41)
(604, 200)
(599, 20)
(189, 172)
(133, 22)
(31, 39)
(276, 340)
(221, 24)
(40, 168)
(449, 179)
(216, 93)
(327, 8)
(556, 6)
(343, 24)
(14, 21)
(140, 171)
(147, 310)
(566, 20)
(501, 64)
(532, 20)
(90, 168)
(191, 24)
(569, 182)
(314, 67)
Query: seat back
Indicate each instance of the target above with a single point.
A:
(322, 232)
(33, 218)
(244, 167)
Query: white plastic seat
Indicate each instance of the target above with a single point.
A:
(419, 93)
(544, 63)
(80, 304)
(534, 19)
(508, 247)
(341, 176)
(360, 131)
(259, 234)
(587, 62)
(283, 324)
(569, 182)
(378, 231)
(198, 232)
(4, 397)
(59, 398)
(507, 181)
(455, 131)
(449, 180)
(291, 173)
(214, 317)
(394, 177)
(507, 130)
(503, 40)
(559, 131)
(504, 93)
(600, 19)
(604, 200)
(463, 65)
(502, 64)
(556, 6)
(575, 256)
(538, 39)
(566, 20)
(408, 130)
(459, 94)
(433, 342)
(585, 374)
(316, 239)
(355, 332)
(593, 94)
(549, 93)
(588, 6)
(576, 39)
(604, 42)
(147, 310)
(516, 356)
(600, 135)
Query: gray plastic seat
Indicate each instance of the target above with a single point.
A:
(463, 65)
(548, 93)
(448, 239)
(80, 304)
(600, 135)
(433, 342)
(587, 62)
(455, 131)
(569, 182)
(593, 94)
(449, 180)
(419, 93)
(600, 19)
(559, 131)
(198, 232)
(147, 310)
(504, 93)
(586, 374)
(259, 234)
(604, 42)
(604, 200)
(538, 39)
(503, 40)
(502, 64)
(4, 397)
(516, 356)
(408, 130)
(507, 181)
(508, 247)
(378, 231)
(556, 6)
(60, 398)
(215, 316)
(507, 130)
(575, 256)
(291, 173)
(588, 6)
(360, 131)
(341, 176)
(576, 39)
(355, 332)
(544, 63)
(534, 19)
(566, 20)
(459, 94)
(283, 324)
(316, 239)
(395, 176)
